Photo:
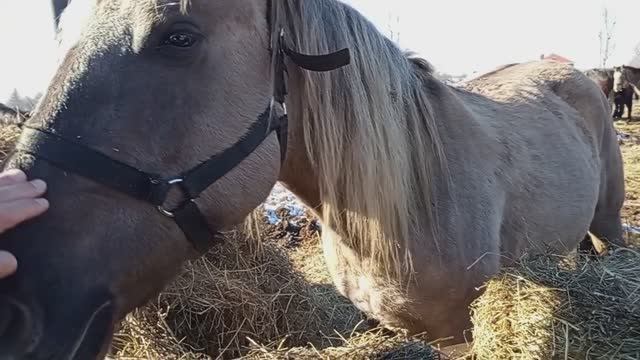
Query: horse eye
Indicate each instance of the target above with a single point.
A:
(181, 39)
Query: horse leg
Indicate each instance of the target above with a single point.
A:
(605, 230)
(606, 223)
(592, 246)
(616, 109)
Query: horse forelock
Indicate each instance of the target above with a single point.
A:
(368, 130)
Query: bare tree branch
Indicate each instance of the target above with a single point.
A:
(607, 44)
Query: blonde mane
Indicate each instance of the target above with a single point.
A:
(369, 131)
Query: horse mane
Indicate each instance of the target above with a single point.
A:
(369, 132)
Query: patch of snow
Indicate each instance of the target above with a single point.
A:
(280, 198)
(631, 229)
(622, 137)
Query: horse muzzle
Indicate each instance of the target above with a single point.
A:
(23, 335)
(17, 332)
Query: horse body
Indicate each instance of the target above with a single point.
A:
(624, 88)
(524, 146)
(604, 79)
(424, 190)
(632, 75)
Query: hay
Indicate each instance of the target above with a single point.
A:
(373, 344)
(567, 308)
(8, 137)
(10, 119)
(229, 296)
(146, 335)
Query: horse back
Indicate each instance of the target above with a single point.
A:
(556, 88)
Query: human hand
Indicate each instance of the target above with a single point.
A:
(20, 200)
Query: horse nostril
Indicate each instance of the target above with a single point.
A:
(15, 328)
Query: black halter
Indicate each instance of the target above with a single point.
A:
(81, 160)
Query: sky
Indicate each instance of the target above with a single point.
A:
(456, 36)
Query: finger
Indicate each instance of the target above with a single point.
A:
(13, 176)
(23, 190)
(8, 264)
(14, 212)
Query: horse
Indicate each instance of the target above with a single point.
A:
(623, 93)
(632, 76)
(424, 190)
(604, 79)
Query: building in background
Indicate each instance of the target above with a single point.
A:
(556, 58)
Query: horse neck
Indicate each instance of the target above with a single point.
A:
(635, 76)
(297, 172)
(364, 146)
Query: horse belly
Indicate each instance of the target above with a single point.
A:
(375, 297)
(556, 208)
(437, 304)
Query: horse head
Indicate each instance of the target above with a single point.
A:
(164, 124)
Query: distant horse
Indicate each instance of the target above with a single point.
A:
(166, 123)
(604, 79)
(623, 93)
(632, 76)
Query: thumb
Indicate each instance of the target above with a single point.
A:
(8, 264)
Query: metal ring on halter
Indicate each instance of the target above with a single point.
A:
(284, 105)
(163, 211)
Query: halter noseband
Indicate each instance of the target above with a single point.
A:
(154, 189)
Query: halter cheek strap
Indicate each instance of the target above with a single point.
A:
(319, 63)
(80, 159)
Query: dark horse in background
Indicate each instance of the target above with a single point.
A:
(626, 82)
(623, 91)
(605, 79)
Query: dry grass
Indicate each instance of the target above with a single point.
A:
(9, 121)
(8, 136)
(566, 308)
(232, 297)
(373, 344)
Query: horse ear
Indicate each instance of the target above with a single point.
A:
(58, 7)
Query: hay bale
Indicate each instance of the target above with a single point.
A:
(8, 136)
(229, 296)
(373, 344)
(10, 121)
(558, 307)
(145, 334)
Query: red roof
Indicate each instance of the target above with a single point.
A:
(557, 58)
